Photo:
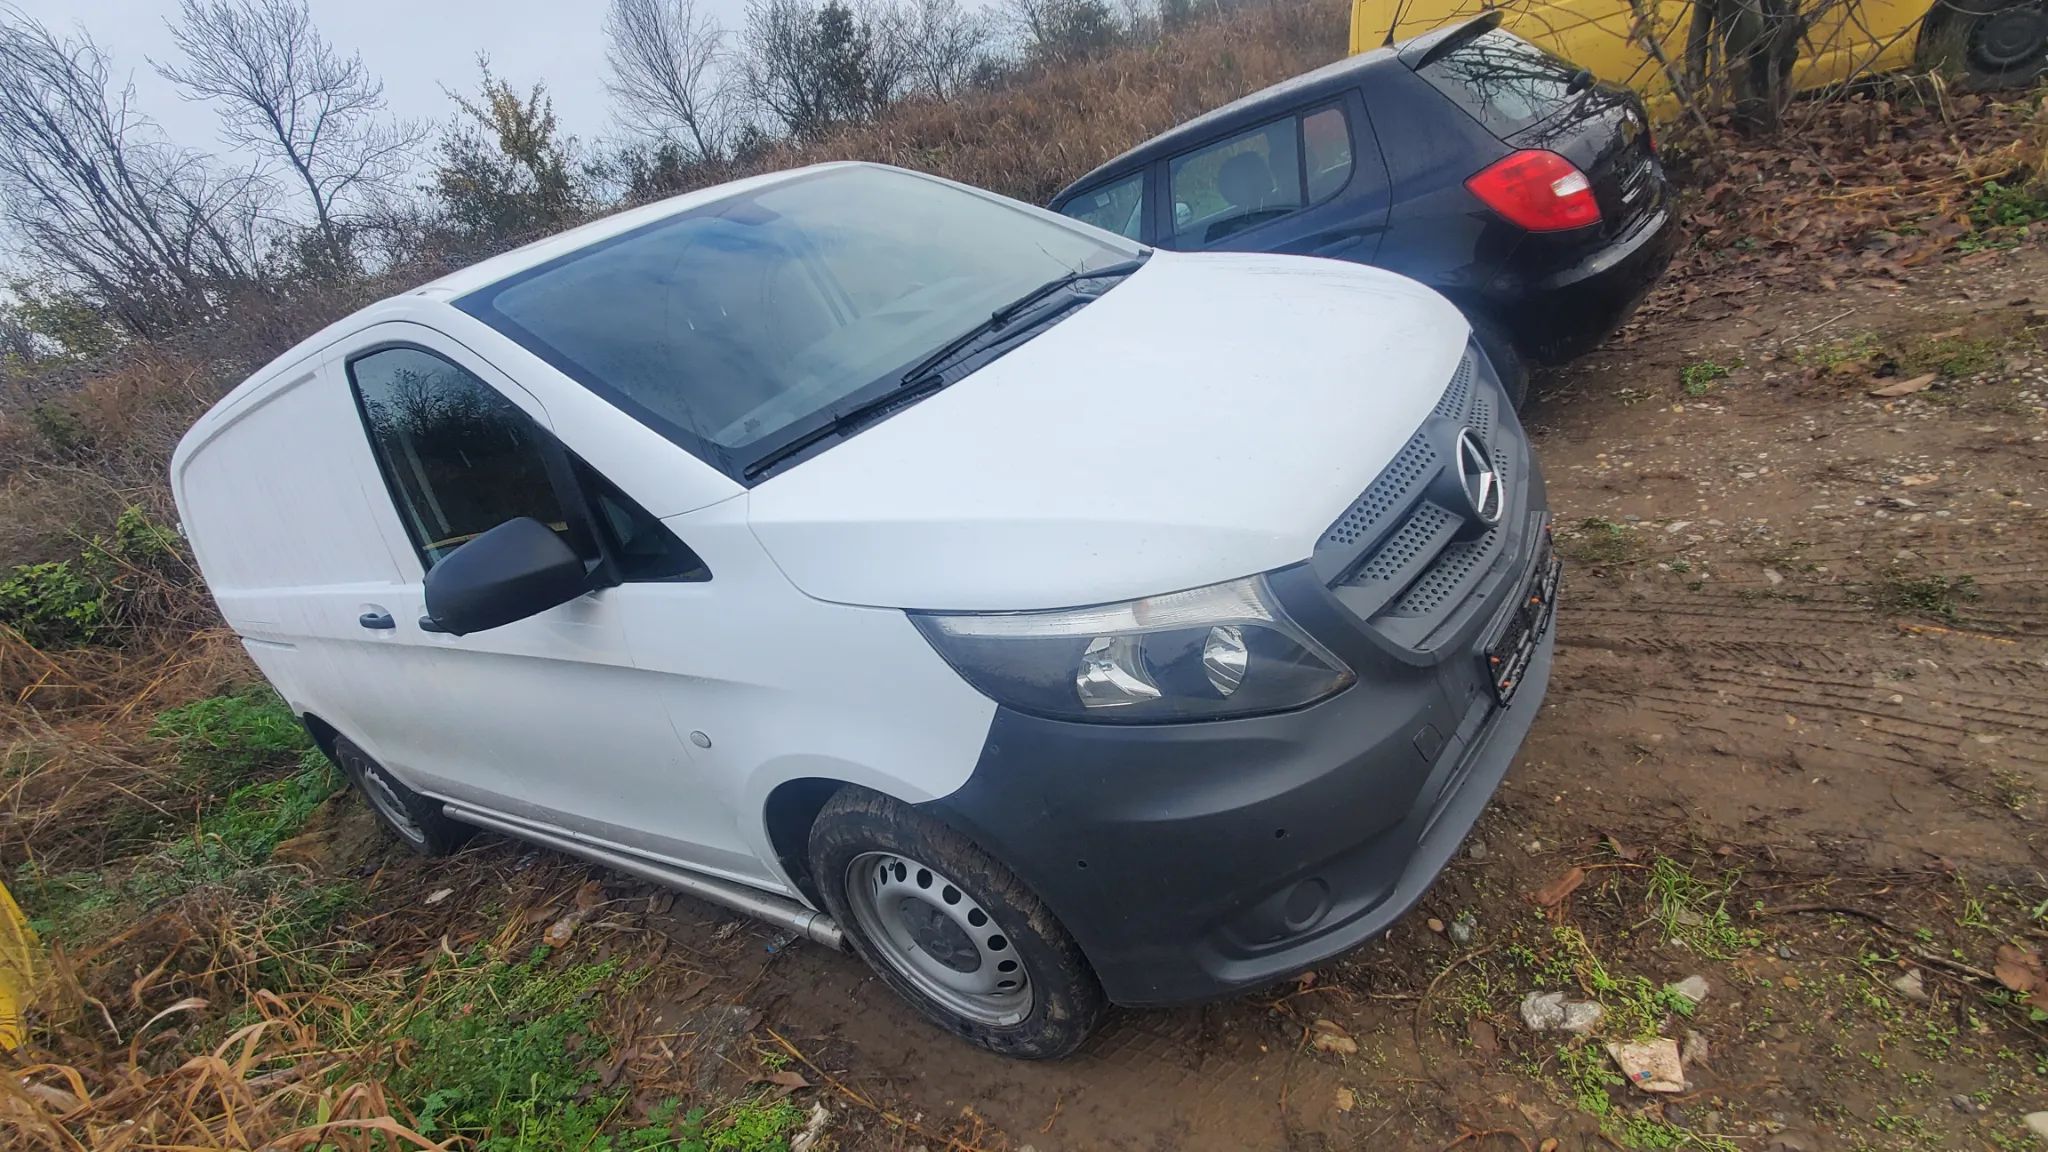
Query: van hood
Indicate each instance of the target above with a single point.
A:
(1203, 420)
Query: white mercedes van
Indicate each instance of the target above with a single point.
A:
(1053, 621)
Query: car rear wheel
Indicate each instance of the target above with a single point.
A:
(1988, 43)
(951, 930)
(414, 819)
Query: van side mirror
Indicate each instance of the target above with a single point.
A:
(520, 568)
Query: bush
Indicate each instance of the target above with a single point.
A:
(53, 605)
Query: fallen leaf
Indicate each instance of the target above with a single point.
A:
(1305, 981)
(438, 895)
(1905, 387)
(2019, 969)
(1341, 1045)
(1621, 850)
(1330, 1037)
(562, 929)
(589, 896)
(1485, 1037)
(1346, 1100)
(1549, 1144)
(1555, 892)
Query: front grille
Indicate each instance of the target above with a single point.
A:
(1410, 552)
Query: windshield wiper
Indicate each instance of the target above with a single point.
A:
(1008, 312)
(846, 420)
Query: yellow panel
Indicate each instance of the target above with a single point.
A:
(17, 968)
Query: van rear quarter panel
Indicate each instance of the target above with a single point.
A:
(271, 494)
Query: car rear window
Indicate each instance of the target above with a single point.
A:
(1503, 81)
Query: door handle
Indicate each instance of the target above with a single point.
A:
(377, 620)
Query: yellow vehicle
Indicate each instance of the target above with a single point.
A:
(1987, 43)
(17, 969)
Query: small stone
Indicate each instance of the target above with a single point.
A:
(1693, 988)
(1785, 952)
(1543, 1011)
(1961, 1102)
(1693, 1049)
(1464, 928)
(1772, 577)
(2037, 1123)
(1344, 1100)
(1436, 925)
(1910, 986)
(1477, 850)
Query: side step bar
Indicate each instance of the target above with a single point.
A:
(761, 905)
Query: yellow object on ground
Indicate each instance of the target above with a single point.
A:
(17, 968)
(1848, 39)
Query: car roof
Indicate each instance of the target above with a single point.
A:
(1245, 111)
(1268, 102)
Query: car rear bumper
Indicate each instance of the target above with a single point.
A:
(1194, 860)
(1566, 312)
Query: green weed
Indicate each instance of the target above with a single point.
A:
(1898, 592)
(1700, 376)
(1950, 356)
(1999, 205)
(1694, 911)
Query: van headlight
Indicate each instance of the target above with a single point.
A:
(1205, 654)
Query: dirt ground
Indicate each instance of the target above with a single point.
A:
(1796, 743)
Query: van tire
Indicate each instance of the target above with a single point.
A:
(1507, 360)
(415, 820)
(858, 826)
(1959, 40)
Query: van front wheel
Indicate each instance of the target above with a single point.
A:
(951, 929)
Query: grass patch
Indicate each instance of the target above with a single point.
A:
(1699, 377)
(1601, 543)
(505, 1056)
(1901, 593)
(234, 736)
(1998, 205)
(1695, 911)
(1950, 357)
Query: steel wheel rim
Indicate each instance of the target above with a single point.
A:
(950, 950)
(385, 800)
(2011, 38)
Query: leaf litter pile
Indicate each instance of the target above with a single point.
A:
(1866, 189)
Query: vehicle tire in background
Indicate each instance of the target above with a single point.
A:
(413, 818)
(1987, 44)
(1507, 360)
(951, 929)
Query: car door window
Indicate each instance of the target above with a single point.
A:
(1326, 152)
(1119, 207)
(1246, 180)
(460, 459)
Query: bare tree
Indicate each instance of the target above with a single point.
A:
(814, 65)
(1059, 30)
(284, 90)
(668, 73)
(95, 197)
(944, 44)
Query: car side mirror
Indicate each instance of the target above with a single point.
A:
(520, 568)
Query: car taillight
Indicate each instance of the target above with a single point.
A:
(1537, 190)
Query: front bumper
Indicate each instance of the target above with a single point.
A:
(1194, 860)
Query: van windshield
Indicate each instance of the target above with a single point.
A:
(734, 327)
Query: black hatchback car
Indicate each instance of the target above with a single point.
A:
(1469, 159)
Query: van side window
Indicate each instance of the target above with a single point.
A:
(1118, 207)
(460, 459)
(641, 547)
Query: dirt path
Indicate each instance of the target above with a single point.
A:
(1804, 662)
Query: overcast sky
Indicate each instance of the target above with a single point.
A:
(416, 46)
